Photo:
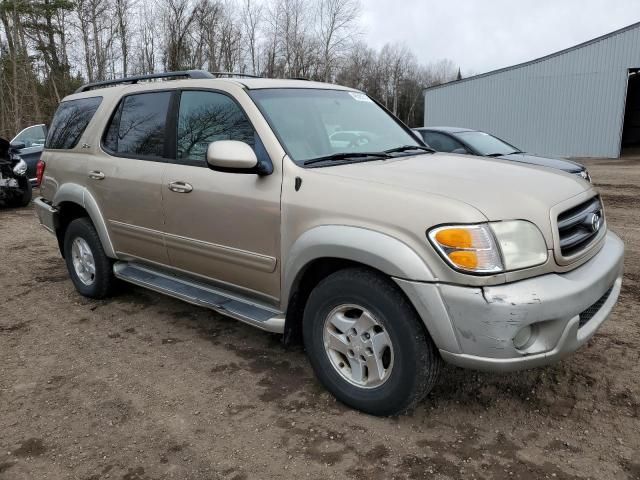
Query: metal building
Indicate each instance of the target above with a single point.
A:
(580, 102)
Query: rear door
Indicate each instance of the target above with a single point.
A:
(125, 175)
(224, 226)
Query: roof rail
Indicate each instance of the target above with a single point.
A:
(194, 74)
(234, 74)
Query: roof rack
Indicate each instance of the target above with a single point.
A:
(193, 74)
(234, 74)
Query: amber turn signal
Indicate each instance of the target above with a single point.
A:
(464, 258)
(455, 238)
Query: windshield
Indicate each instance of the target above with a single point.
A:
(315, 123)
(486, 144)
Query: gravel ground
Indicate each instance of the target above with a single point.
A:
(143, 387)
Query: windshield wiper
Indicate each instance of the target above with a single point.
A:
(404, 148)
(347, 156)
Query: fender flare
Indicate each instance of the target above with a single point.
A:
(368, 247)
(74, 193)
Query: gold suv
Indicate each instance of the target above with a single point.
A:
(309, 210)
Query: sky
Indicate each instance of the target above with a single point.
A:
(483, 35)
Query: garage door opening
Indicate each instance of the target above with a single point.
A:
(631, 128)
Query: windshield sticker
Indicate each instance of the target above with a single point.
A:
(361, 97)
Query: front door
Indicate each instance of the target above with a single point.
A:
(222, 226)
(126, 176)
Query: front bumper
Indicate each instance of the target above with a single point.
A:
(476, 327)
(47, 214)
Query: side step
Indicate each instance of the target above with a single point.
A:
(216, 299)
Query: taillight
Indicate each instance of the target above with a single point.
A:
(40, 171)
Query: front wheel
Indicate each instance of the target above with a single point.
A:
(366, 343)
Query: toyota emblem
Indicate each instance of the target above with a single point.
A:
(595, 221)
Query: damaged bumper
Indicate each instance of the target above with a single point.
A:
(523, 324)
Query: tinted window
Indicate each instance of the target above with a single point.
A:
(138, 125)
(441, 142)
(206, 117)
(70, 121)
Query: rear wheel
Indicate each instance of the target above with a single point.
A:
(366, 344)
(90, 269)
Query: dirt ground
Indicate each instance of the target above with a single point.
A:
(145, 387)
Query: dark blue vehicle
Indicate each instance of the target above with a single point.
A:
(29, 144)
(475, 142)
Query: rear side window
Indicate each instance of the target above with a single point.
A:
(70, 121)
(137, 127)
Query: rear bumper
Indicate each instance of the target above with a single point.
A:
(476, 327)
(47, 214)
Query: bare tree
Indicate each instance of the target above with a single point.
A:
(48, 47)
(95, 23)
(178, 16)
(336, 30)
(147, 47)
(123, 13)
(251, 20)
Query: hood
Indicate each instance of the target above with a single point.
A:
(499, 190)
(558, 163)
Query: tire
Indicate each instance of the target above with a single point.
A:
(411, 363)
(100, 282)
(23, 199)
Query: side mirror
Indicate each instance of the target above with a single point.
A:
(18, 145)
(231, 156)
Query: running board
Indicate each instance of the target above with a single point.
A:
(202, 295)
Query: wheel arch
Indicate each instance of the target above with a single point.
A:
(324, 250)
(74, 201)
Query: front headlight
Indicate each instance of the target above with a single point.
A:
(20, 168)
(490, 247)
(585, 174)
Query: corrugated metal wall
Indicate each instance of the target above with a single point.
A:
(570, 104)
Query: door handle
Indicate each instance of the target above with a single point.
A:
(180, 187)
(96, 175)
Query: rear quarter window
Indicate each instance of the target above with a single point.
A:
(70, 121)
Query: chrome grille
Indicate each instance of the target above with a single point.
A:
(579, 226)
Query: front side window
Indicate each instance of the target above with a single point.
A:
(441, 142)
(70, 121)
(487, 144)
(138, 126)
(207, 117)
(32, 137)
(315, 123)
